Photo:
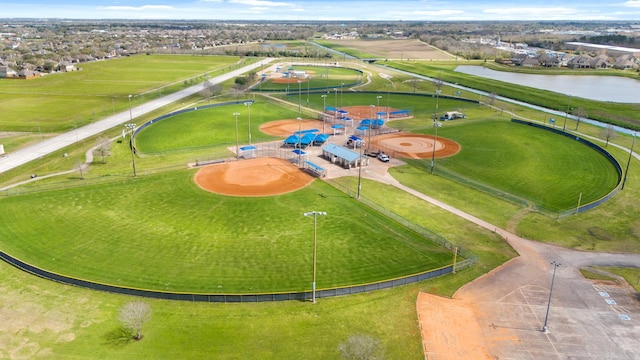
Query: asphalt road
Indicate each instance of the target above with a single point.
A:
(22, 156)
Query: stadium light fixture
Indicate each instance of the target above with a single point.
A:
(236, 114)
(299, 140)
(553, 278)
(248, 105)
(324, 110)
(626, 170)
(315, 215)
(299, 97)
(131, 126)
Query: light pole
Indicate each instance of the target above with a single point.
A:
(553, 278)
(388, 96)
(131, 126)
(626, 170)
(324, 109)
(315, 215)
(299, 97)
(299, 139)
(236, 114)
(566, 114)
(248, 105)
(360, 168)
(341, 90)
(435, 139)
(336, 101)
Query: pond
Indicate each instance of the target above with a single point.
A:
(601, 88)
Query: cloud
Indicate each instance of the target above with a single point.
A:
(438, 12)
(632, 3)
(138, 8)
(260, 3)
(531, 12)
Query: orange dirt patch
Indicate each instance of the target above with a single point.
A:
(450, 330)
(366, 111)
(288, 80)
(416, 146)
(288, 127)
(255, 177)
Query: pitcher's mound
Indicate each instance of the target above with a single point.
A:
(255, 177)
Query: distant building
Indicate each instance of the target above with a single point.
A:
(602, 49)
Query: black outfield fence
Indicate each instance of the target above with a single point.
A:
(596, 147)
(234, 298)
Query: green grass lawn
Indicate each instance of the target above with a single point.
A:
(319, 77)
(546, 169)
(163, 232)
(210, 127)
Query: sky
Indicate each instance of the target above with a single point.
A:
(325, 10)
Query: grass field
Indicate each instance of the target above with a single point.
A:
(63, 101)
(387, 49)
(319, 77)
(202, 242)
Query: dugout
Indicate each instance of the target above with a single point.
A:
(343, 157)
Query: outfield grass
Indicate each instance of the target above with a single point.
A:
(202, 242)
(210, 127)
(69, 322)
(546, 169)
(320, 77)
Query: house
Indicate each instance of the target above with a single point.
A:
(579, 62)
(600, 62)
(529, 62)
(548, 61)
(66, 66)
(625, 62)
(6, 71)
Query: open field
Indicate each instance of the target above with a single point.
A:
(63, 101)
(387, 49)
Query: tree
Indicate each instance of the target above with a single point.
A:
(579, 114)
(133, 315)
(491, 98)
(207, 90)
(104, 148)
(608, 133)
(361, 347)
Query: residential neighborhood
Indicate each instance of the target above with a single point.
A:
(33, 48)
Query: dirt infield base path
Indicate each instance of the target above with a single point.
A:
(416, 146)
(254, 177)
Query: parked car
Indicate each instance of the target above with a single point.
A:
(383, 157)
(371, 153)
